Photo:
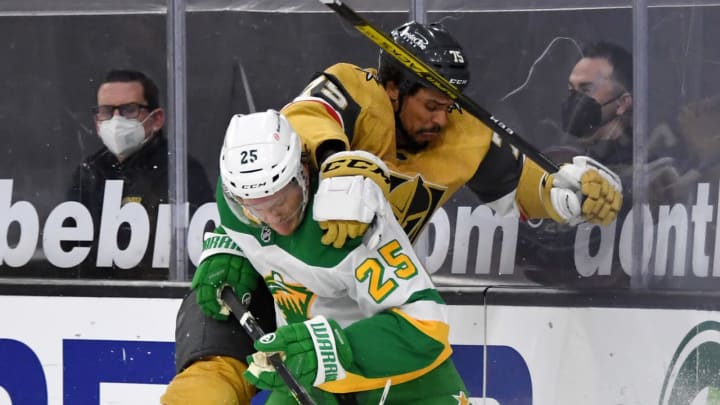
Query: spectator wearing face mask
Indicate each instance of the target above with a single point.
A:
(597, 114)
(596, 120)
(129, 122)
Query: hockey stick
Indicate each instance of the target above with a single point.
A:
(248, 322)
(430, 76)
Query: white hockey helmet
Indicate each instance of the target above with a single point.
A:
(260, 155)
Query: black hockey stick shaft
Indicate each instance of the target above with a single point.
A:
(248, 322)
(435, 79)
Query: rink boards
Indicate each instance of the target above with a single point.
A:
(90, 350)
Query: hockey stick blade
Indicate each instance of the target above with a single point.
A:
(435, 79)
(248, 322)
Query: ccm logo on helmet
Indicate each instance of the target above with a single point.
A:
(252, 186)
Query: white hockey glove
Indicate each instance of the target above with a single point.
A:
(353, 185)
(584, 190)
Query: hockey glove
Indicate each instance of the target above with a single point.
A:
(315, 352)
(217, 271)
(584, 190)
(353, 184)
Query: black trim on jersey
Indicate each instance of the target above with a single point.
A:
(349, 114)
(498, 173)
(327, 148)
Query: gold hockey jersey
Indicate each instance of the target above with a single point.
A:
(345, 107)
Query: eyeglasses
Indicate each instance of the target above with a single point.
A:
(129, 110)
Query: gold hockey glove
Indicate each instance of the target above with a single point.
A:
(353, 184)
(584, 190)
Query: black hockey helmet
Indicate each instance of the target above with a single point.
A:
(432, 44)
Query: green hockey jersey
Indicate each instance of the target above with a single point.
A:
(375, 288)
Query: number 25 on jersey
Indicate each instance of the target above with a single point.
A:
(373, 270)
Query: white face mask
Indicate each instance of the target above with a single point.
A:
(122, 136)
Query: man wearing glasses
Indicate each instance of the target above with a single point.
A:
(127, 115)
(129, 122)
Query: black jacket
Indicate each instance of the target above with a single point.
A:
(145, 181)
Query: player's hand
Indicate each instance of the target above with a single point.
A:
(584, 190)
(353, 185)
(337, 232)
(217, 271)
(315, 352)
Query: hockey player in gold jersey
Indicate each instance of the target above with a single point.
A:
(432, 147)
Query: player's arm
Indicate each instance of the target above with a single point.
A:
(528, 195)
(223, 262)
(511, 184)
(324, 115)
(317, 124)
(496, 179)
(351, 182)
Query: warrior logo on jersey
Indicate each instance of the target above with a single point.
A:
(413, 200)
(294, 300)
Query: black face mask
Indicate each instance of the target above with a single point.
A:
(581, 114)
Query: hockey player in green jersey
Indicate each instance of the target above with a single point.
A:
(349, 319)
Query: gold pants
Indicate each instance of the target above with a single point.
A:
(211, 381)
